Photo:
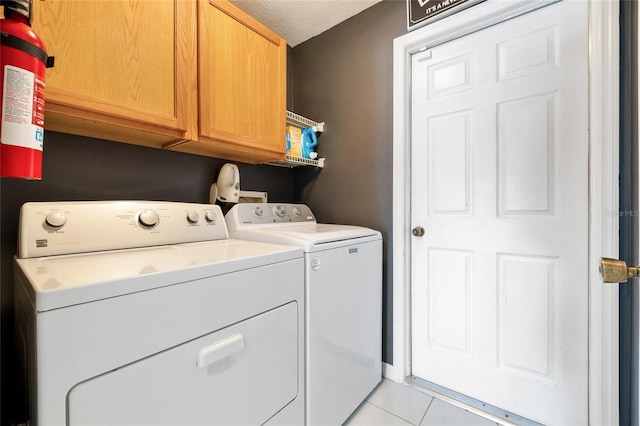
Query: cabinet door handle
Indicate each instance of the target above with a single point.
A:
(220, 350)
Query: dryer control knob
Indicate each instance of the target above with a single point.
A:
(56, 219)
(148, 218)
(296, 211)
(210, 216)
(193, 217)
(279, 211)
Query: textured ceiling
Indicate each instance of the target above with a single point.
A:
(299, 20)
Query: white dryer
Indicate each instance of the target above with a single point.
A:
(343, 299)
(146, 313)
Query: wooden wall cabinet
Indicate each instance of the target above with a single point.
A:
(241, 86)
(196, 76)
(123, 71)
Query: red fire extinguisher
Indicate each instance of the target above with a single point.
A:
(22, 65)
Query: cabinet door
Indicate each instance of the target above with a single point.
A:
(124, 70)
(242, 86)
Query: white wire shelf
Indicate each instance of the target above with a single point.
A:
(292, 161)
(300, 121)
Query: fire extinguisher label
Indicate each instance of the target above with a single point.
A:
(22, 109)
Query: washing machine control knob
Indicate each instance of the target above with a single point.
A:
(193, 217)
(56, 219)
(258, 211)
(148, 218)
(210, 216)
(297, 211)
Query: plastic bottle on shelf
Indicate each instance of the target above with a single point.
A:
(309, 142)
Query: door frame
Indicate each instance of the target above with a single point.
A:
(603, 185)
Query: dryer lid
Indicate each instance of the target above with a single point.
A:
(58, 281)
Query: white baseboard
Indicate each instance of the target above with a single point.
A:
(392, 373)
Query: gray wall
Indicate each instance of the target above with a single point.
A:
(345, 78)
(76, 168)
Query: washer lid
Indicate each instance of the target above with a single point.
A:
(59, 281)
(310, 236)
(326, 233)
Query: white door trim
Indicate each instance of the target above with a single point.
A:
(603, 184)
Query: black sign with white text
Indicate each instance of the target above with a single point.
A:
(420, 12)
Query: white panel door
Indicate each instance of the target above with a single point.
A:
(500, 184)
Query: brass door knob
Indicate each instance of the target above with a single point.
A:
(418, 231)
(617, 271)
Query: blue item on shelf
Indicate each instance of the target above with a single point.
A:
(288, 143)
(309, 142)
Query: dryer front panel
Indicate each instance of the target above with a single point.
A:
(243, 374)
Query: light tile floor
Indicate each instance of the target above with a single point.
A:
(392, 404)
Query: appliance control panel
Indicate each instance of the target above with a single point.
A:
(247, 214)
(54, 228)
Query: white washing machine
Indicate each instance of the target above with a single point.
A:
(146, 313)
(343, 298)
